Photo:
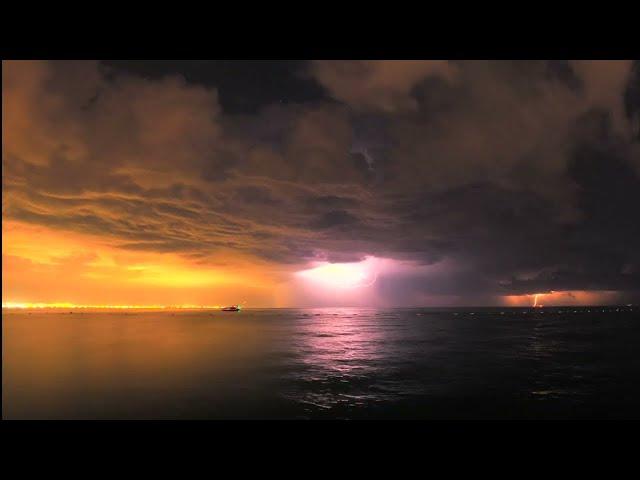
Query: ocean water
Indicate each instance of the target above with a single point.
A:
(323, 364)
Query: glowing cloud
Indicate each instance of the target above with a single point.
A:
(342, 275)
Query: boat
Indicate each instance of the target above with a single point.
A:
(232, 308)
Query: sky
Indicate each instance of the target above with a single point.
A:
(321, 183)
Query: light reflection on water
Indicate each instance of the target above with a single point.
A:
(337, 351)
(319, 363)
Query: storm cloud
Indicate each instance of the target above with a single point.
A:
(504, 177)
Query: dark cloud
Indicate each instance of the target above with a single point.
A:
(322, 202)
(632, 99)
(243, 86)
(335, 218)
(502, 177)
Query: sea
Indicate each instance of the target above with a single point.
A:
(328, 363)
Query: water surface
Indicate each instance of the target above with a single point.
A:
(322, 363)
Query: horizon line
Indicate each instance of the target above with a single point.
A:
(71, 306)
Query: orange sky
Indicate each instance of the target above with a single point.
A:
(41, 265)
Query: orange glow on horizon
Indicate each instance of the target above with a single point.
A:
(73, 306)
(562, 298)
(41, 266)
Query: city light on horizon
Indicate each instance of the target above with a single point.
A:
(72, 306)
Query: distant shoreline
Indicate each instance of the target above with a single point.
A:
(431, 309)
